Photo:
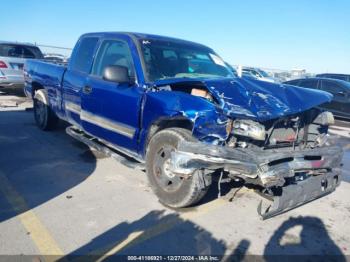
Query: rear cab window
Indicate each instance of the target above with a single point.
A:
(84, 55)
(20, 51)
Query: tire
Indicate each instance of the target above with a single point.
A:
(171, 189)
(44, 117)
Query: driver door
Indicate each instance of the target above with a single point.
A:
(110, 110)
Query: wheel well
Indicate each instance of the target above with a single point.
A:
(36, 86)
(168, 123)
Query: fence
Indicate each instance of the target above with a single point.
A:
(50, 49)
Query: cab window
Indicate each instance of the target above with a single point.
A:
(113, 52)
(84, 55)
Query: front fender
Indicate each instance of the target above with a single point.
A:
(208, 121)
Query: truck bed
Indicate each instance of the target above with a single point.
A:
(45, 73)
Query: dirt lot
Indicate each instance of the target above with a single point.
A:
(57, 197)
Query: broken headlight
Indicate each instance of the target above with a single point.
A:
(249, 128)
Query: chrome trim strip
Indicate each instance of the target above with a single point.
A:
(100, 121)
(107, 124)
(73, 107)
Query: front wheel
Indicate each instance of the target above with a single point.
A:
(171, 189)
(44, 117)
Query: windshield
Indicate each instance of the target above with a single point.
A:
(250, 73)
(165, 59)
(263, 73)
(21, 51)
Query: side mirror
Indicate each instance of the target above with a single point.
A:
(116, 73)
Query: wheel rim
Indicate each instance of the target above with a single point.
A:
(40, 111)
(167, 180)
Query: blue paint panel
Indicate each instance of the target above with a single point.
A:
(73, 83)
(49, 76)
(119, 104)
(170, 105)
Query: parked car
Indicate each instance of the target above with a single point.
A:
(257, 74)
(56, 58)
(340, 104)
(13, 55)
(175, 107)
(343, 77)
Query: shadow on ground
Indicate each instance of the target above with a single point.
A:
(163, 234)
(155, 234)
(310, 242)
(36, 165)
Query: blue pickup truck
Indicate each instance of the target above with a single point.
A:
(176, 108)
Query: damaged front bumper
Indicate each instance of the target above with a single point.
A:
(300, 175)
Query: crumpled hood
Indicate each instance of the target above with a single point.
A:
(259, 100)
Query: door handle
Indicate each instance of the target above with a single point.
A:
(87, 89)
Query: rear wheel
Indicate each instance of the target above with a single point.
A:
(45, 118)
(172, 189)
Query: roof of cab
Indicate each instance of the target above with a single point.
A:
(139, 36)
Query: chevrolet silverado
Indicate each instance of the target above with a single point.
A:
(176, 108)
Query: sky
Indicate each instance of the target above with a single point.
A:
(304, 34)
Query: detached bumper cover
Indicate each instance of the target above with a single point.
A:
(297, 194)
(301, 174)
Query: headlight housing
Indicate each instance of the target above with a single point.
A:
(249, 128)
